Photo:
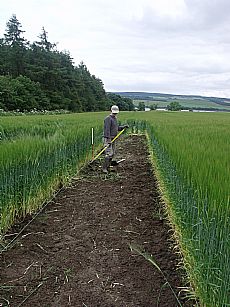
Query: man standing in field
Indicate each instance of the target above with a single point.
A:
(111, 129)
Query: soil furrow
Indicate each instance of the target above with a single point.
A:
(77, 252)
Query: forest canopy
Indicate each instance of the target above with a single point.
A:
(38, 76)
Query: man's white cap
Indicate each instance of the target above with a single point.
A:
(115, 109)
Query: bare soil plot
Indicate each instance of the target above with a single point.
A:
(76, 252)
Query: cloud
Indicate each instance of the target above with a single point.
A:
(177, 46)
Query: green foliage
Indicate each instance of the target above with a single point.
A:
(187, 101)
(153, 107)
(191, 152)
(13, 35)
(55, 79)
(141, 106)
(36, 154)
(124, 104)
(174, 106)
(44, 42)
(16, 48)
(20, 94)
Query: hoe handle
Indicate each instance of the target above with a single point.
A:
(117, 136)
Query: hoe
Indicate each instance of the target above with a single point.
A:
(113, 163)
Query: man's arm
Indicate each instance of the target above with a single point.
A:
(122, 127)
(107, 129)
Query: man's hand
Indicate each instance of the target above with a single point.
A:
(126, 126)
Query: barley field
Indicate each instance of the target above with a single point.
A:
(190, 152)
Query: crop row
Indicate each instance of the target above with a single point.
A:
(191, 155)
(33, 165)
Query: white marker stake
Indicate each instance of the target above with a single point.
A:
(92, 144)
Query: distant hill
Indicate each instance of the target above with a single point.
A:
(187, 101)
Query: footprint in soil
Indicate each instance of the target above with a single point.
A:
(84, 258)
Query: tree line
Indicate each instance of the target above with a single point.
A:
(38, 76)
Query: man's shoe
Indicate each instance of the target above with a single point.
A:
(106, 165)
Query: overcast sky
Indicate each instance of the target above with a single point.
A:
(168, 46)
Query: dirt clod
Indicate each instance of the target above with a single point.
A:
(77, 251)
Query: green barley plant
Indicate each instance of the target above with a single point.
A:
(39, 154)
(140, 251)
(191, 154)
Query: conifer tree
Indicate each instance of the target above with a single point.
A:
(44, 42)
(17, 47)
(39, 76)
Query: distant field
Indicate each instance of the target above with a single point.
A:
(185, 103)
